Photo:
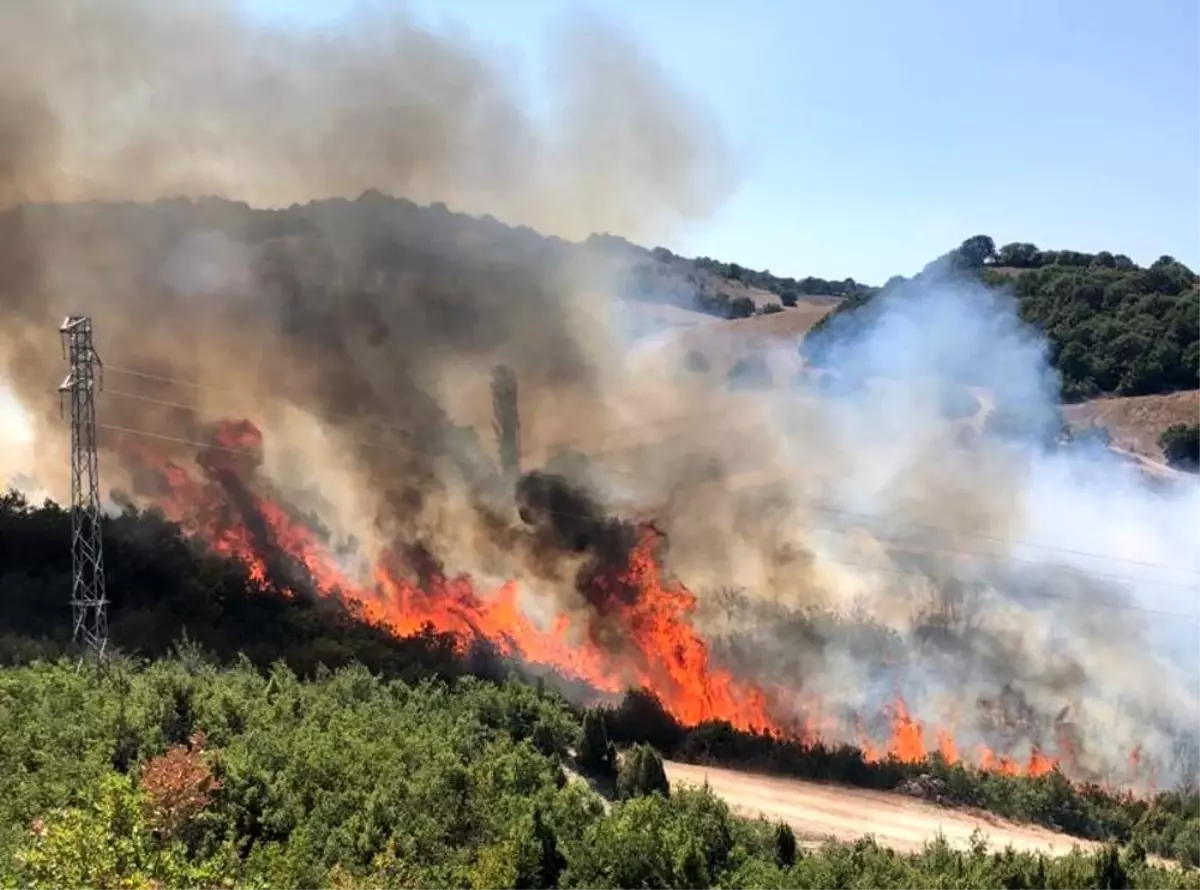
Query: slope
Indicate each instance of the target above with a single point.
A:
(816, 812)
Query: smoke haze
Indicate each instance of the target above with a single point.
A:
(1004, 582)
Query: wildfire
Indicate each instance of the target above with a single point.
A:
(662, 652)
(907, 745)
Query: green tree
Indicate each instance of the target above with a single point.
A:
(596, 753)
(1109, 872)
(785, 846)
(976, 251)
(1181, 445)
(641, 773)
(1018, 255)
(741, 307)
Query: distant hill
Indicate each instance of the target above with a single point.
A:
(375, 225)
(725, 290)
(1113, 328)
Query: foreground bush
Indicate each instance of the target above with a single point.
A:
(178, 773)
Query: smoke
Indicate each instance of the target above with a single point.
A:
(285, 316)
(1027, 591)
(131, 100)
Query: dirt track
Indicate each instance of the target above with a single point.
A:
(816, 812)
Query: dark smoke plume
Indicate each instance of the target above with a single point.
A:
(353, 323)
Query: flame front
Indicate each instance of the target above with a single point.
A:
(663, 654)
(662, 651)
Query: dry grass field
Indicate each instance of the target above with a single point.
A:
(816, 812)
(1135, 423)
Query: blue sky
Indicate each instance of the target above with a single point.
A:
(875, 135)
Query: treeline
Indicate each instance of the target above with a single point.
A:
(180, 774)
(163, 587)
(375, 233)
(1112, 327)
(660, 276)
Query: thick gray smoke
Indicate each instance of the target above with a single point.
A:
(1021, 590)
(361, 310)
(138, 100)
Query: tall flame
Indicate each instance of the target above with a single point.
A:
(662, 651)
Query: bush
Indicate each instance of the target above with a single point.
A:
(596, 753)
(741, 307)
(785, 846)
(352, 780)
(751, 372)
(1181, 446)
(641, 772)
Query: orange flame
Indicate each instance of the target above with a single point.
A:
(662, 651)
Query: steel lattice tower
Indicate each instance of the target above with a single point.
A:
(89, 605)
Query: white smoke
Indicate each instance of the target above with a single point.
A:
(17, 452)
(930, 491)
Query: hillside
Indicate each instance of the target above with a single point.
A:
(299, 442)
(163, 587)
(1112, 327)
(178, 774)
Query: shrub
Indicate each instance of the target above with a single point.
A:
(696, 362)
(641, 772)
(596, 753)
(1181, 446)
(751, 372)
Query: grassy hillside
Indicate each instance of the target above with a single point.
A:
(1113, 327)
(376, 232)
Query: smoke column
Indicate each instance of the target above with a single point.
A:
(1020, 589)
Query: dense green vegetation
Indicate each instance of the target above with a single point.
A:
(1111, 326)
(177, 773)
(163, 587)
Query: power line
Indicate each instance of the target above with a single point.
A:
(540, 454)
(344, 415)
(864, 566)
(176, 439)
(859, 517)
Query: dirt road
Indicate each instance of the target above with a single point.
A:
(816, 812)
